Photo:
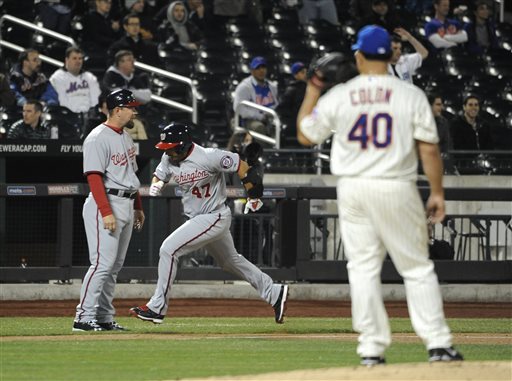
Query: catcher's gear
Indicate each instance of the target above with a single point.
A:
(330, 70)
(254, 177)
(121, 98)
(253, 205)
(156, 188)
(176, 139)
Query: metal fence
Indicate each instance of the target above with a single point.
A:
(44, 231)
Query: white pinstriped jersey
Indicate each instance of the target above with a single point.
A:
(113, 154)
(200, 177)
(376, 120)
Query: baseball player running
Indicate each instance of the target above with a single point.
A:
(199, 173)
(380, 125)
(112, 210)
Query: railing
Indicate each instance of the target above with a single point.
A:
(43, 222)
(276, 141)
(35, 27)
(142, 66)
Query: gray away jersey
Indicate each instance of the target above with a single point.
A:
(113, 154)
(200, 178)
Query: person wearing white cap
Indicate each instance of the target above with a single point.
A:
(381, 125)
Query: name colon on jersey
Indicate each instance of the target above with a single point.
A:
(75, 86)
(370, 96)
(191, 177)
(121, 159)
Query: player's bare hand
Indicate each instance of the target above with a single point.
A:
(253, 205)
(435, 208)
(109, 223)
(156, 188)
(138, 219)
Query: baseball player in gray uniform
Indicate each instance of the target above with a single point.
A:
(380, 125)
(112, 210)
(199, 173)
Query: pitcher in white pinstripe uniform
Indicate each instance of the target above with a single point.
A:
(380, 126)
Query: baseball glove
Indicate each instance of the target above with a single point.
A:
(330, 70)
(254, 177)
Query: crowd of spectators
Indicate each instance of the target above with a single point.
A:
(118, 32)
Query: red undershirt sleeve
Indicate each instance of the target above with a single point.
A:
(95, 181)
(137, 202)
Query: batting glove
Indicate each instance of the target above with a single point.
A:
(253, 205)
(156, 188)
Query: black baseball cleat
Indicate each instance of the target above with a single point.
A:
(280, 305)
(372, 361)
(144, 313)
(112, 326)
(83, 326)
(444, 354)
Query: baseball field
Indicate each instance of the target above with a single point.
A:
(238, 340)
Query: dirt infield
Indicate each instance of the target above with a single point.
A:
(248, 308)
(485, 370)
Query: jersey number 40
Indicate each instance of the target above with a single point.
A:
(378, 132)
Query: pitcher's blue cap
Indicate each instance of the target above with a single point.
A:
(257, 62)
(373, 39)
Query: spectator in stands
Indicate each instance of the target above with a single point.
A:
(182, 31)
(418, 7)
(225, 9)
(100, 29)
(360, 9)
(258, 89)
(469, 132)
(143, 51)
(291, 101)
(122, 75)
(381, 15)
(139, 8)
(7, 97)
(78, 90)
(443, 32)
(31, 126)
(197, 14)
(28, 82)
(401, 65)
(481, 30)
(442, 124)
(56, 14)
(318, 10)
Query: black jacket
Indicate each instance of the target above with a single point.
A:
(98, 32)
(290, 103)
(21, 130)
(466, 138)
(143, 51)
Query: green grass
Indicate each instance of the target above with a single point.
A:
(170, 356)
(30, 326)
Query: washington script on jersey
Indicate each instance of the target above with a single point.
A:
(119, 158)
(190, 177)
